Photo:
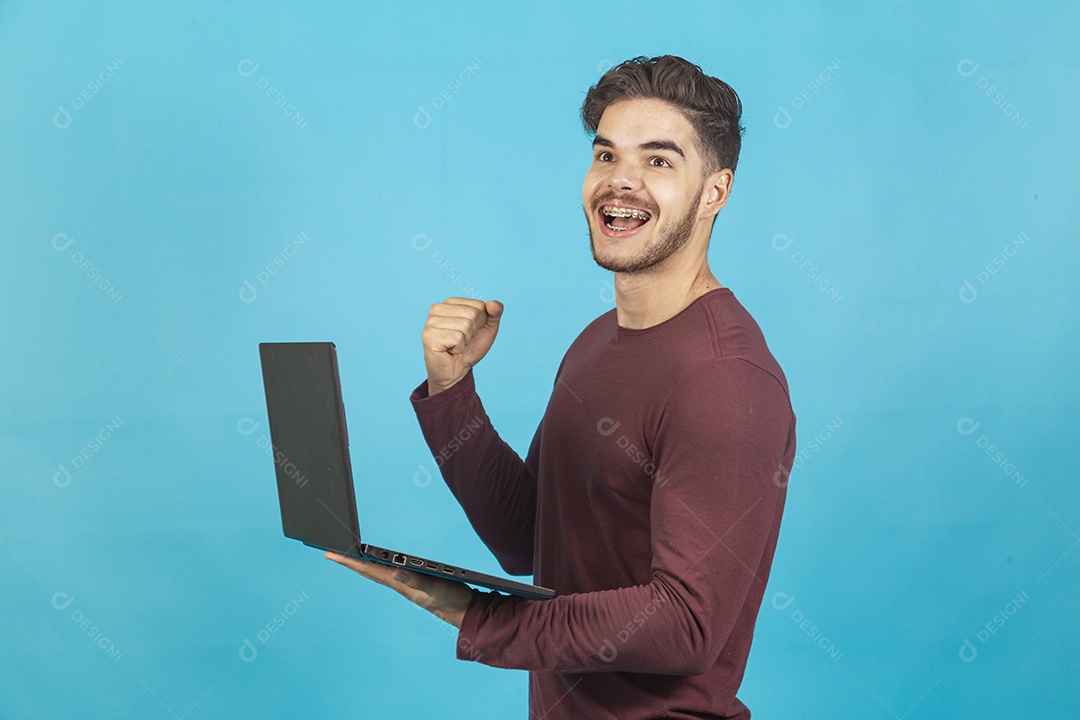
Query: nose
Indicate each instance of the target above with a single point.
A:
(624, 176)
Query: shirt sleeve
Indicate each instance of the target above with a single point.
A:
(715, 509)
(495, 487)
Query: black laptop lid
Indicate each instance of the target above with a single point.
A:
(310, 444)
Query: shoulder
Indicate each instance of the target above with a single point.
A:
(734, 334)
(730, 382)
(728, 403)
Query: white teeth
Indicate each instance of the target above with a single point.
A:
(625, 212)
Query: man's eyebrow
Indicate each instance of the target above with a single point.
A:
(663, 145)
(651, 145)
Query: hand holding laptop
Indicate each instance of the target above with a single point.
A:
(445, 599)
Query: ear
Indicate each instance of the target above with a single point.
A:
(715, 192)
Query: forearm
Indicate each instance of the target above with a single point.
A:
(490, 481)
(646, 628)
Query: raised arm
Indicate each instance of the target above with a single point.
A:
(494, 486)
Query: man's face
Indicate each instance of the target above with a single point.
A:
(641, 194)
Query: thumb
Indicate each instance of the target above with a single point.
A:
(481, 342)
(494, 314)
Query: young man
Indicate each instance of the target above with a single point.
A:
(652, 492)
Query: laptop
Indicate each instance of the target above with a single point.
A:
(314, 473)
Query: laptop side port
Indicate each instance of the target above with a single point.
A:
(417, 562)
(399, 559)
(448, 570)
(432, 566)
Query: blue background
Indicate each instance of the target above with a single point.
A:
(162, 214)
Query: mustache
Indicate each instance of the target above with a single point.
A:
(638, 202)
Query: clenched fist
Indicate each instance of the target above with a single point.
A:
(457, 335)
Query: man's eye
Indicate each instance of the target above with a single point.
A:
(660, 162)
(603, 156)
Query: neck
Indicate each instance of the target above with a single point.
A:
(646, 299)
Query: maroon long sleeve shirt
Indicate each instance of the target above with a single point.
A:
(650, 499)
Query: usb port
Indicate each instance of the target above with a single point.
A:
(448, 570)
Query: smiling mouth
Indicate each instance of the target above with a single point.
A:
(621, 220)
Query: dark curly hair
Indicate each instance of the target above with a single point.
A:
(710, 104)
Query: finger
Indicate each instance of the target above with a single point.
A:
(444, 340)
(460, 317)
(470, 302)
(490, 320)
(443, 322)
(398, 579)
(452, 310)
(373, 571)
